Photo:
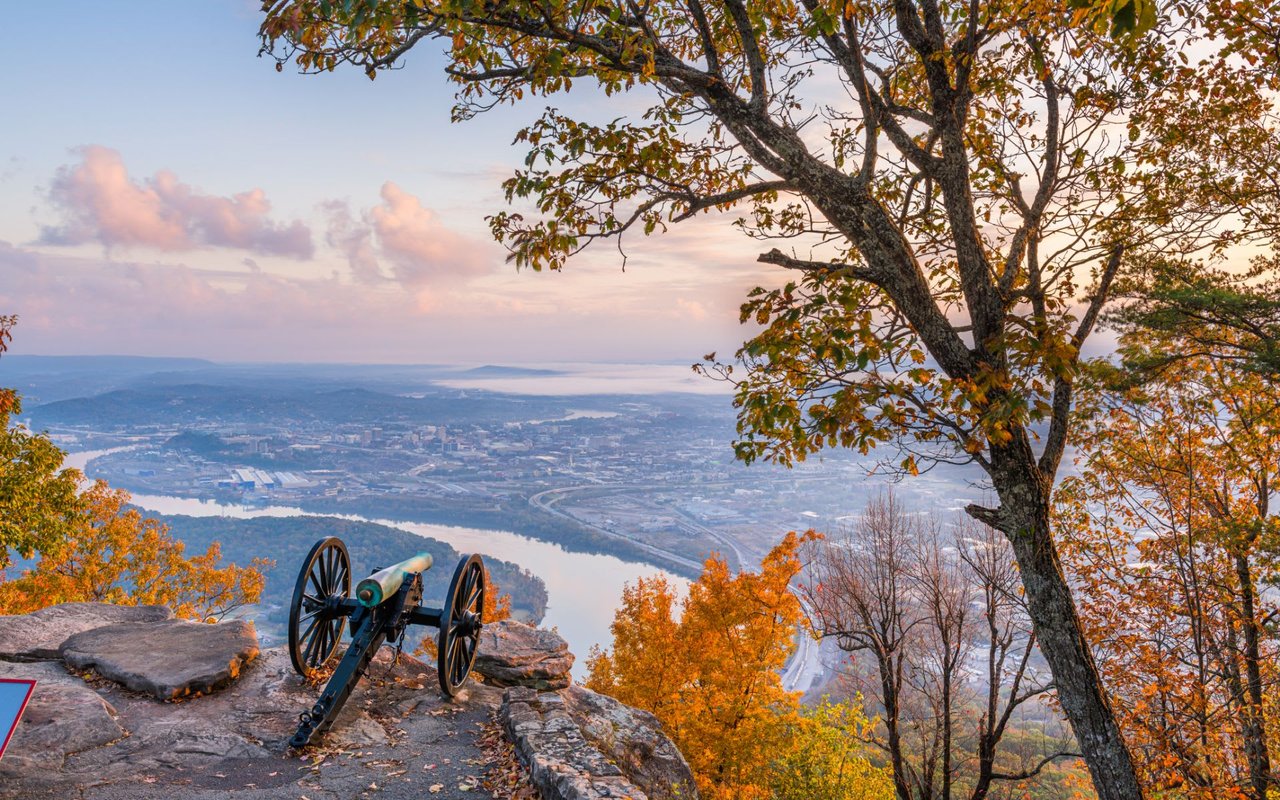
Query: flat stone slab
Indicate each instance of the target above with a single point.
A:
(166, 659)
(514, 654)
(38, 636)
(63, 717)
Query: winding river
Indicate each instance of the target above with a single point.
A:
(583, 589)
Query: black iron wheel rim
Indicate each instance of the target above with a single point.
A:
(316, 622)
(460, 624)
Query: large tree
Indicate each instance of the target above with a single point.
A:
(949, 177)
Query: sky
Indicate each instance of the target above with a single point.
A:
(165, 192)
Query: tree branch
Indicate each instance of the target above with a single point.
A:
(778, 258)
(697, 204)
(1031, 773)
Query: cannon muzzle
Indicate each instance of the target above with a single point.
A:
(386, 582)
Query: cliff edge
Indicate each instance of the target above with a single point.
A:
(130, 703)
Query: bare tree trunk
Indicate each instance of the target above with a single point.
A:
(1252, 728)
(892, 723)
(1024, 516)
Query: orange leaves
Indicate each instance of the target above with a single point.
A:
(113, 555)
(710, 675)
(1167, 531)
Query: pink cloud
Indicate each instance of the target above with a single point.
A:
(100, 202)
(691, 308)
(70, 303)
(421, 248)
(400, 230)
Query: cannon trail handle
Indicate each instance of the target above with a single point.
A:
(371, 632)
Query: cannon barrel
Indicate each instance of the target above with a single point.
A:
(384, 583)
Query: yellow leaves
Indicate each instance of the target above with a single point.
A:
(113, 555)
(826, 756)
(711, 676)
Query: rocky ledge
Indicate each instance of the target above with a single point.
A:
(130, 703)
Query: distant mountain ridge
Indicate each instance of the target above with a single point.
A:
(33, 363)
(187, 403)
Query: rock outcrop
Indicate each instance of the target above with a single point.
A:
(87, 736)
(38, 636)
(514, 654)
(168, 659)
(632, 739)
(561, 762)
(581, 745)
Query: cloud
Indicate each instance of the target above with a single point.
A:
(354, 239)
(100, 202)
(419, 248)
(691, 308)
(70, 303)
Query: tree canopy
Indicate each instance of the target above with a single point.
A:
(708, 669)
(1171, 530)
(959, 187)
(112, 554)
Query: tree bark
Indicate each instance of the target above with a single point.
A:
(1255, 740)
(1024, 516)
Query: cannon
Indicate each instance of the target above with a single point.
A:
(383, 606)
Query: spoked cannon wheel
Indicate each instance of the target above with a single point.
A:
(460, 623)
(316, 619)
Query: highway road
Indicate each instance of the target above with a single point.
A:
(805, 666)
(541, 501)
(546, 501)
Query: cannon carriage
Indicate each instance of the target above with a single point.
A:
(380, 610)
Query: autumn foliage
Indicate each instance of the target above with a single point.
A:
(956, 192)
(114, 555)
(1173, 537)
(711, 675)
(91, 545)
(35, 492)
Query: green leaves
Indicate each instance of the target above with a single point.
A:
(1123, 19)
(37, 496)
(1178, 310)
(593, 182)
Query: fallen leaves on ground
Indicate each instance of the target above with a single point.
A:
(505, 777)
